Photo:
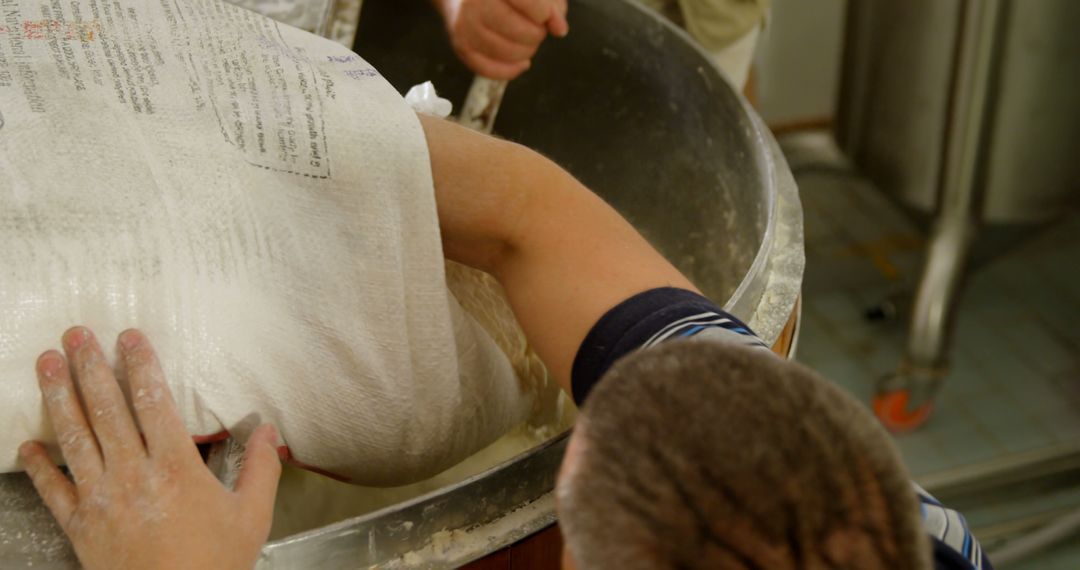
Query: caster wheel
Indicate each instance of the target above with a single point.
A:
(892, 411)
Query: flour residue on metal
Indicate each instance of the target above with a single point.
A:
(452, 547)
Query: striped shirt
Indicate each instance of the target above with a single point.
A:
(645, 320)
(949, 529)
(658, 315)
(707, 324)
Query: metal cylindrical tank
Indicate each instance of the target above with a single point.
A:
(964, 109)
(900, 82)
(630, 106)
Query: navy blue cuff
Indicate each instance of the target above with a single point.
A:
(626, 327)
(947, 558)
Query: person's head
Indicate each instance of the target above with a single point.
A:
(699, 454)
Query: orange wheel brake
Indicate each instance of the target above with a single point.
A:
(891, 408)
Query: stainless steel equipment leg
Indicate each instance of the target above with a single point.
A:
(904, 400)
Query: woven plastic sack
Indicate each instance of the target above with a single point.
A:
(259, 201)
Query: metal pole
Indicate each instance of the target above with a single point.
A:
(482, 104)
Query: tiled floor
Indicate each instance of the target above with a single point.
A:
(1014, 383)
(1065, 557)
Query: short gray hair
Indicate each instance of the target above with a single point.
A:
(702, 454)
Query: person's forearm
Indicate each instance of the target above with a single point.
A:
(562, 254)
(573, 258)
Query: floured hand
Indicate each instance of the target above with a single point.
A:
(142, 502)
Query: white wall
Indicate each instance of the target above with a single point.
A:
(798, 61)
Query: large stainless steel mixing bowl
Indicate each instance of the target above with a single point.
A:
(639, 114)
(632, 108)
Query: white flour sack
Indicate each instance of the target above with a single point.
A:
(259, 201)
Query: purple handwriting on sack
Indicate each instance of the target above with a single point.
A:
(361, 74)
(343, 58)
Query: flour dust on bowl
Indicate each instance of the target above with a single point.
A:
(641, 116)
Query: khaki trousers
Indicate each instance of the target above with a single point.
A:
(727, 29)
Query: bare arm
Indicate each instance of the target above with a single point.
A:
(562, 254)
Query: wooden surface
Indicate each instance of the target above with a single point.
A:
(541, 551)
(787, 336)
(497, 560)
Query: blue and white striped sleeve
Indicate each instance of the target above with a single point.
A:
(955, 546)
(648, 319)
